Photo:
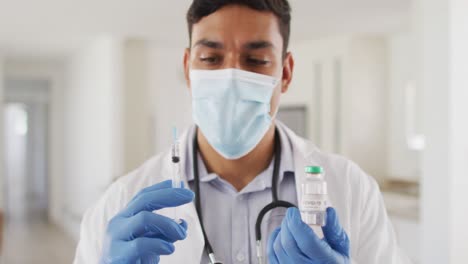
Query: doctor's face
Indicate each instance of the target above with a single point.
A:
(239, 37)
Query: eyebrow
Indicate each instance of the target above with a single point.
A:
(209, 43)
(255, 45)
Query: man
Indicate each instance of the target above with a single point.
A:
(236, 67)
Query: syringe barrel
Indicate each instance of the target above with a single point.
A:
(176, 177)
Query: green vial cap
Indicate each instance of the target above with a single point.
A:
(314, 169)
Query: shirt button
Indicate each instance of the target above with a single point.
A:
(240, 257)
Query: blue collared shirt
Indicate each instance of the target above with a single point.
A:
(229, 215)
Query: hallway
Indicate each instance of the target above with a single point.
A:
(35, 241)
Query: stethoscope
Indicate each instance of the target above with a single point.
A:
(274, 204)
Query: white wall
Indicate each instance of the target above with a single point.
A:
(171, 101)
(459, 128)
(313, 86)
(93, 143)
(347, 107)
(155, 98)
(137, 103)
(2, 165)
(51, 70)
(403, 162)
(442, 42)
(365, 104)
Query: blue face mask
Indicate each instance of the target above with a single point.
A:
(232, 108)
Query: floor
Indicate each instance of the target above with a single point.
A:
(35, 241)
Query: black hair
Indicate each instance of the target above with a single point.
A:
(280, 8)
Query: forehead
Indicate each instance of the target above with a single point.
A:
(236, 24)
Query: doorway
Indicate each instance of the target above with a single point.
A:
(25, 136)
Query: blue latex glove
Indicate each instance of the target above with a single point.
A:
(138, 234)
(295, 242)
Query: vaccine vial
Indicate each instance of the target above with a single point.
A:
(314, 200)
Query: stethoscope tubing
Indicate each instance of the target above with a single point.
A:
(274, 204)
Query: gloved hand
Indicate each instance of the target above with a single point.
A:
(295, 242)
(138, 234)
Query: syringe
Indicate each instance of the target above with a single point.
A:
(176, 177)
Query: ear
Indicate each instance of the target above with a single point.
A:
(187, 66)
(288, 68)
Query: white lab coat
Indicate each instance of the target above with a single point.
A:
(354, 195)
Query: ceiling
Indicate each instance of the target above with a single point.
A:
(55, 26)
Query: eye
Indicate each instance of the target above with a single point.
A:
(210, 60)
(256, 62)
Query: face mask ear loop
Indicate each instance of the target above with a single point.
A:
(273, 116)
(275, 113)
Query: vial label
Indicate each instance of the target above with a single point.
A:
(314, 204)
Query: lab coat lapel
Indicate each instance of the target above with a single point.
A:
(302, 156)
(303, 153)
